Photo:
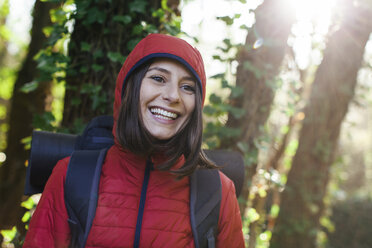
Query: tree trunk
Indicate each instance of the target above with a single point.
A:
(333, 88)
(22, 109)
(92, 75)
(259, 63)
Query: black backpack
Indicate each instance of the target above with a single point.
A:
(87, 153)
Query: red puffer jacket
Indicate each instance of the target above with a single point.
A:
(166, 216)
(165, 223)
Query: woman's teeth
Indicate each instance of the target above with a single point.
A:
(161, 113)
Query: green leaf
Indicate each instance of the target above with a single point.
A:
(132, 43)
(171, 29)
(9, 234)
(159, 13)
(151, 28)
(98, 100)
(115, 56)
(26, 141)
(244, 27)
(57, 34)
(209, 110)
(164, 5)
(236, 91)
(252, 215)
(28, 204)
(48, 30)
(125, 19)
(138, 6)
(43, 121)
(85, 46)
(225, 84)
(220, 75)
(237, 112)
(94, 15)
(90, 89)
(137, 30)
(58, 15)
(97, 68)
(26, 217)
(229, 132)
(75, 101)
(78, 125)
(218, 57)
(84, 69)
(97, 54)
(28, 87)
(213, 98)
(227, 19)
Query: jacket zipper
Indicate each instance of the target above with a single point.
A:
(149, 167)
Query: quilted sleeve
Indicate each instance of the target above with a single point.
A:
(230, 232)
(49, 226)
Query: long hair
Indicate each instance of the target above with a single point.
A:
(133, 136)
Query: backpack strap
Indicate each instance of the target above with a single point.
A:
(81, 192)
(205, 201)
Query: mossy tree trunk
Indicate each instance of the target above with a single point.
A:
(333, 88)
(23, 107)
(259, 64)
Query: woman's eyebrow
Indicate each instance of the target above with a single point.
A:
(190, 78)
(159, 69)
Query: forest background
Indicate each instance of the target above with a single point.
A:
(289, 87)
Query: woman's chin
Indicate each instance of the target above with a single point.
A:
(161, 138)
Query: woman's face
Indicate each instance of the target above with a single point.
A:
(167, 98)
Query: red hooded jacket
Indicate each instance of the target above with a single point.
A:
(166, 216)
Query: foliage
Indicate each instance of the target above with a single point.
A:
(55, 64)
(352, 223)
(218, 105)
(9, 235)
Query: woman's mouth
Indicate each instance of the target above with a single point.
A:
(163, 114)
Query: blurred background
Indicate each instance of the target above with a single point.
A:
(289, 87)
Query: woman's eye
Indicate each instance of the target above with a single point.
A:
(158, 78)
(189, 88)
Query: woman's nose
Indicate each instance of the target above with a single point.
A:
(171, 93)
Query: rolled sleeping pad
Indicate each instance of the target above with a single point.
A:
(47, 149)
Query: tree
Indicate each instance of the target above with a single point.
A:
(259, 64)
(333, 88)
(22, 110)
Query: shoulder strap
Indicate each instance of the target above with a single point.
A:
(205, 201)
(81, 192)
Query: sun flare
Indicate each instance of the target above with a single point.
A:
(313, 19)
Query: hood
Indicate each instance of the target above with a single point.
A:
(159, 46)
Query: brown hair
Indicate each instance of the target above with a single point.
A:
(132, 134)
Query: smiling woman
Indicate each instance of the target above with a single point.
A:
(145, 195)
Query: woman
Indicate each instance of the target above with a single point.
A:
(159, 97)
